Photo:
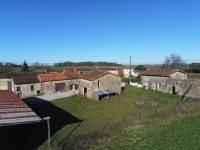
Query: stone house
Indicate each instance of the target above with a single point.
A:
(23, 84)
(98, 84)
(58, 82)
(157, 79)
(92, 84)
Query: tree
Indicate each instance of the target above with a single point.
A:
(173, 62)
(140, 68)
(25, 66)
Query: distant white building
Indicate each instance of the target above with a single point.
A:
(126, 71)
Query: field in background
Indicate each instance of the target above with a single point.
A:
(60, 69)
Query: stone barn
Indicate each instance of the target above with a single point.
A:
(159, 79)
(100, 84)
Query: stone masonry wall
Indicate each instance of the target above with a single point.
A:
(166, 84)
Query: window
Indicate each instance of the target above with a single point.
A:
(98, 83)
(9, 85)
(60, 87)
(32, 87)
(76, 86)
(18, 89)
(71, 87)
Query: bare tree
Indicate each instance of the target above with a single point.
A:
(174, 61)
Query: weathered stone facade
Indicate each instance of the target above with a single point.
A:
(107, 81)
(165, 84)
(4, 84)
(27, 90)
(50, 87)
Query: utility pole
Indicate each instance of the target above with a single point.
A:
(130, 69)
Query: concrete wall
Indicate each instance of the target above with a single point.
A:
(105, 82)
(39, 99)
(166, 85)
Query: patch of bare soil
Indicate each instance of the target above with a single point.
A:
(150, 103)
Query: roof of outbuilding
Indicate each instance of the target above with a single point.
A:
(161, 72)
(93, 75)
(18, 74)
(72, 74)
(14, 111)
(21, 77)
(52, 77)
(26, 80)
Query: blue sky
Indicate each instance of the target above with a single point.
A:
(50, 31)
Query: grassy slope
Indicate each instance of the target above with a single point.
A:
(112, 111)
(182, 133)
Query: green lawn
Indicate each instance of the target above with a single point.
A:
(173, 134)
(97, 115)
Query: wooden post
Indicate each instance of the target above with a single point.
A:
(48, 134)
(48, 125)
(140, 115)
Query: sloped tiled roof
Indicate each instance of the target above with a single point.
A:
(52, 77)
(26, 80)
(83, 69)
(14, 111)
(72, 75)
(21, 77)
(161, 72)
(18, 74)
(93, 75)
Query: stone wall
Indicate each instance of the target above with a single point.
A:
(4, 84)
(50, 88)
(179, 75)
(25, 90)
(166, 85)
(105, 82)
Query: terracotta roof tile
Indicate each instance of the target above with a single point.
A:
(52, 77)
(93, 75)
(21, 77)
(72, 74)
(161, 72)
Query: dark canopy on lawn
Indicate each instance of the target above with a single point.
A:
(98, 93)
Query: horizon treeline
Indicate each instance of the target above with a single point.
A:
(86, 63)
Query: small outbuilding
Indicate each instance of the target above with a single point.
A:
(98, 84)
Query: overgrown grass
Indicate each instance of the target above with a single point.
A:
(179, 133)
(177, 129)
(98, 115)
